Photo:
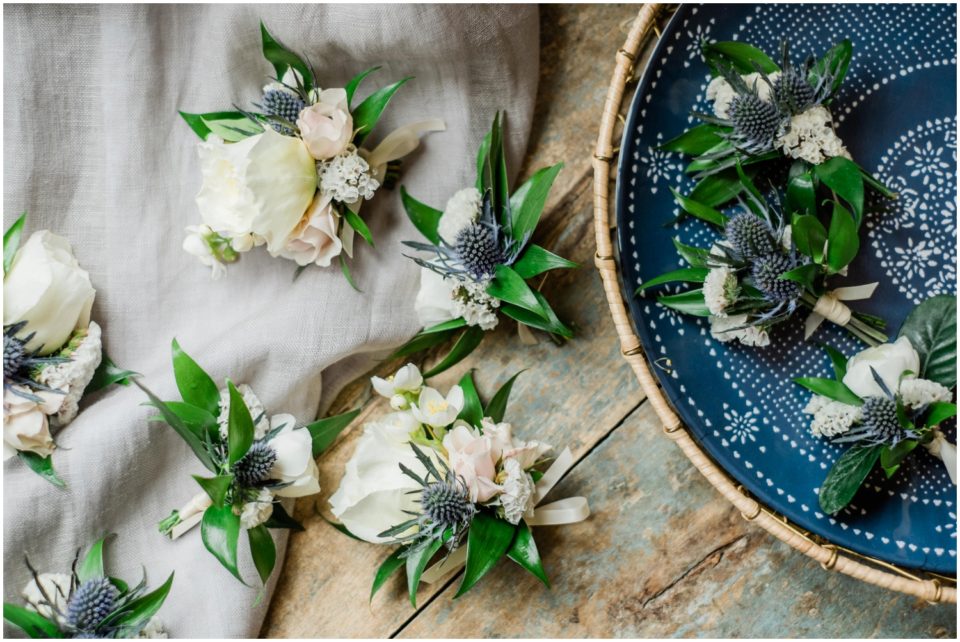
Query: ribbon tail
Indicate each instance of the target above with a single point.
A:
(811, 324)
(565, 511)
(453, 562)
(855, 292)
(560, 466)
(401, 142)
(946, 452)
(191, 514)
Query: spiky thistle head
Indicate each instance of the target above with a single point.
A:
(253, 469)
(756, 122)
(750, 236)
(792, 92)
(19, 363)
(282, 104)
(477, 247)
(90, 604)
(767, 272)
(446, 503)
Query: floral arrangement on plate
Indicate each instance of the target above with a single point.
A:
(255, 461)
(88, 603)
(443, 477)
(764, 111)
(769, 262)
(480, 258)
(887, 400)
(51, 349)
(293, 175)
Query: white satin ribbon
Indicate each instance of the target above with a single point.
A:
(190, 514)
(564, 511)
(830, 308)
(944, 451)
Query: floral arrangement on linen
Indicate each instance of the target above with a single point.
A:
(88, 603)
(293, 175)
(480, 258)
(887, 400)
(255, 461)
(764, 111)
(51, 349)
(443, 477)
(768, 263)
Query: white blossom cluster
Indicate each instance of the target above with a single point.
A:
(471, 301)
(347, 177)
(811, 136)
(719, 290)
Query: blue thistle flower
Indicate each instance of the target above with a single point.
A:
(91, 603)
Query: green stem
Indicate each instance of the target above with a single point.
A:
(877, 185)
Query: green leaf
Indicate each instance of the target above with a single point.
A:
(452, 324)
(527, 202)
(829, 388)
(215, 487)
(239, 426)
(466, 344)
(497, 407)
(553, 324)
(743, 57)
(42, 466)
(938, 412)
(416, 563)
(804, 274)
(263, 551)
(524, 552)
(833, 63)
(838, 361)
(509, 286)
(198, 420)
(346, 272)
(695, 141)
(367, 113)
(843, 177)
(535, 320)
(195, 121)
(30, 622)
(843, 242)
(389, 566)
(324, 431)
(220, 530)
(139, 611)
(697, 257)
(280, 518)
(809, 236)
(846, 476)
(282, 58)
(231, 126)
(801, 195)
(424, 341)
(716, 189)
(891, 457)
(107, 374)
(472, 411)
(701, 211)
(196, 387)
(186, 433)
(424, 218)
(92, 565)
(686, 275)
(932, 330)
(354, 83)
(483, 152)
(488, 539)
(536, 260)
(690, 302)
(354, 220)
(11, 242)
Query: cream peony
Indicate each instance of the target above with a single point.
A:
(434, 303)
(47, 288)
(295, 465)
(315, 239)
(473, 457)
(25, 424)
(374, 492)
(257, 188)
(889, 360)
(326, 126)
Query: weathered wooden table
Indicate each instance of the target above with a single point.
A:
(663, 554)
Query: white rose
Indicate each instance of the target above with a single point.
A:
(462, 209)
(260, 186)
(25, 424)
(434, 303)
(326, 126)
(315, 239)
(48, 289)
(56, 586)
(889, 360)
(374, 492)
(295, 465)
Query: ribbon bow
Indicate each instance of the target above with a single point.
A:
(564, 511)
(830, 306)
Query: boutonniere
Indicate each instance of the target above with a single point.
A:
(51, 348)
(763, 111)
(445, 480)
(481, 258)
(887, 400)
(88, 603)
(766, 265)
(254, 459)
(292, 172)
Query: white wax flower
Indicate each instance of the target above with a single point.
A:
(720, 283)
(406, 380)
(26, 426)
(720, 92)
(725, 329)
(261, 424)
(810, 136)
(435, 410)
(462, 209)
(326, 126)
(295, 465)
(889, 360)
(154, 630)
(471, 301)
(518, 490)
(257, 511)
(47, 288)
(830, 417)
(347, 178)
(56, 586)
(72, 377)
(917, 393)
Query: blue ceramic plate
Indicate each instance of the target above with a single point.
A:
(897, 115)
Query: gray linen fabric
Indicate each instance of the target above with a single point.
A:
(94, 150)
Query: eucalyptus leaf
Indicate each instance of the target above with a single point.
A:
(324, 431)
(367, 114)
(424, 218)
(497, 407)
(488, 539)
(535, 261)
(846, 476)
(263, 551)
(196, 387)
(932, 330)
(524, 552)
(527, 202)
(42, 466)
(685, 275)
(239, 426)
(220, 531)
(472, 411)
(831, 389)
(466, 344)
(391, 565)
(11, 242)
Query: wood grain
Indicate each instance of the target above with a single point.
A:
(663, 555)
